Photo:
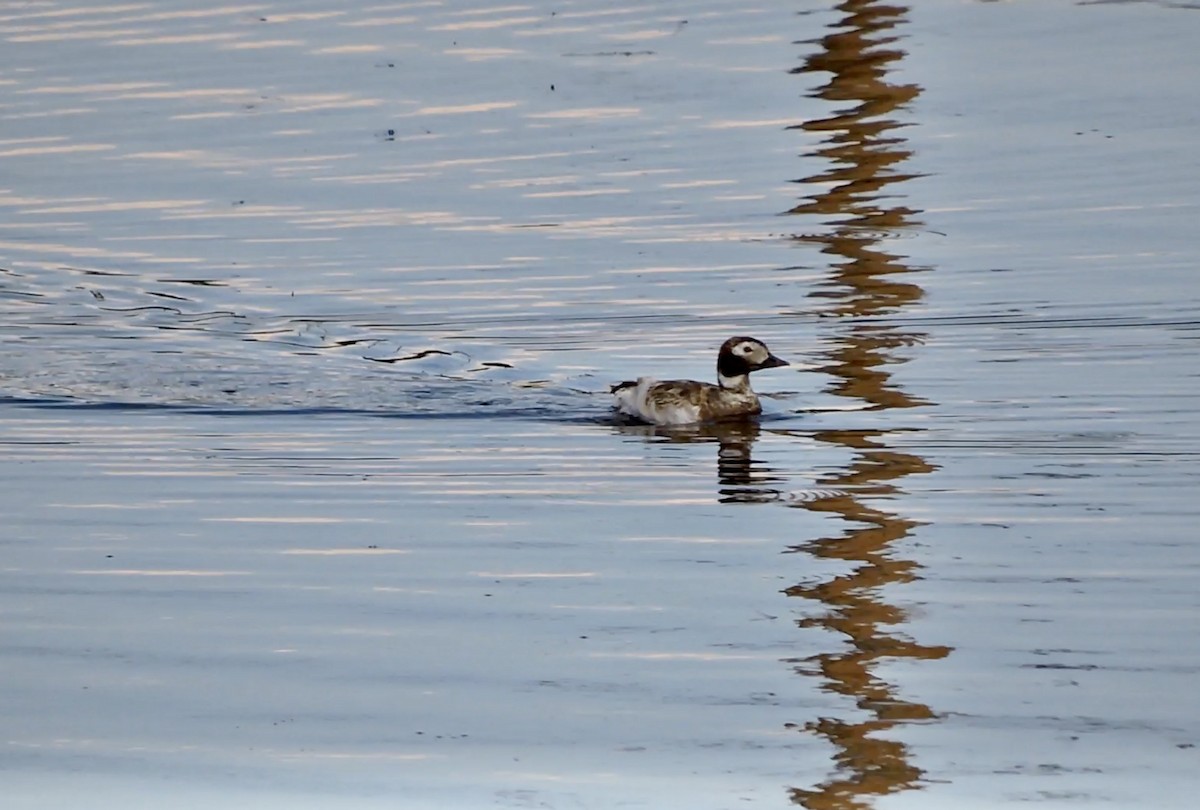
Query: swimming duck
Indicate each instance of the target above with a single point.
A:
(685, 402)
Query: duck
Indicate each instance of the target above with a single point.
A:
(686, 402)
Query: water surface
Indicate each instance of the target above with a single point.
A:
(311, 492)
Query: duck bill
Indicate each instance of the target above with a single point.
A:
(772, 362)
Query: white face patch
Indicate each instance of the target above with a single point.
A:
(753, 352)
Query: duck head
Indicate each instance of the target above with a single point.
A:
(741, 355)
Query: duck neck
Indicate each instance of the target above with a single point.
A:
(737, 382)
(733, 373)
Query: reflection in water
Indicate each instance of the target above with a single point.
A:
(740, 477)
(855, 607)
(859, 138)
(857, 201)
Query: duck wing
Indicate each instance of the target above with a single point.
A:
(663, 402)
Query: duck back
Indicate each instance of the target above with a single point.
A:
(683, 402)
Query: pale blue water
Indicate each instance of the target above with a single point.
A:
(311, 492)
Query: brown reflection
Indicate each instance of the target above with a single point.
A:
(855, 197)
(862, 143)
(856, 607)
(857, 201)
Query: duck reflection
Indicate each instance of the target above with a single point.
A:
(856, 200)
(741, 478)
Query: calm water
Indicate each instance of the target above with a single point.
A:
(311, 493)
